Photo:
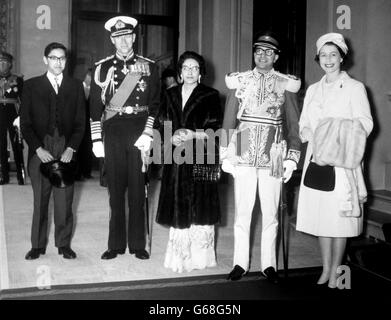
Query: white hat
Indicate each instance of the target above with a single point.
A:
(333, 37)
(120, 25)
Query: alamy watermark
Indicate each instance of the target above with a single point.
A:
(44, 277)
(344, 281)
(192, 151)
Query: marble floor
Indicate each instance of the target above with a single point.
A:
(90, 240)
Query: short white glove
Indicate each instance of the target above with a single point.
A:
(228, 167)
(98, 149)
(289, 166)
(16, 122)
(143, 143)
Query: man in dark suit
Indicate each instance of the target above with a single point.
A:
(52, 122)
(126, 91)
(10, 91)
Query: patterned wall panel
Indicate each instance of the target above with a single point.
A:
(4, 23)
(9, 31)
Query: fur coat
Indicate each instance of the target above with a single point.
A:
(341, 143)
(183, 201)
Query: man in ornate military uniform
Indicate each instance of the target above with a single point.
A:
(263, 150)
(125, 95)
(10, 91)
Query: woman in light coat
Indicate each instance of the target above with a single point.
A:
(322, 213)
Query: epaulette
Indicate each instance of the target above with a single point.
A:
(104, 59)
(292, 83)
(233, 79)
(141, 57)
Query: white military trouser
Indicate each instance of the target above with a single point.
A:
(245, 182)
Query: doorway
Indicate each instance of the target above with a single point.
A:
(287, 19)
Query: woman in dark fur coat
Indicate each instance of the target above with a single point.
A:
(190, 207)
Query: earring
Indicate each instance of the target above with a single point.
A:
(180, 79)
(199, 79)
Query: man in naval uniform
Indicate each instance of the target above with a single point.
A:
(10, 92)
(124, 99)
(263, 150)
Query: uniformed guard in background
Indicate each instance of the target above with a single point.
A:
(10, 92)
(124, 99)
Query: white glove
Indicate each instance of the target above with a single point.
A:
(16, 122)
(143, 143)
(228, 167)
(98, 149)
(289, 166)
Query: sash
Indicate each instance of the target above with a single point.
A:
(119, 98)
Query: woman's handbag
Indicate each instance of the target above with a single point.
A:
(206, 172)
(319, 177)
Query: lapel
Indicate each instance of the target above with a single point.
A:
(47, 86)
(48, 91)
(64, 85)
(334, 89)
(191, 103)
(176, 102)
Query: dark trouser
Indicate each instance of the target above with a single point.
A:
(6, 124)
(63, 217)
(123, 171)
(84, 153)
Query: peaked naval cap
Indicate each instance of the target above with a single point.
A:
(120, 25)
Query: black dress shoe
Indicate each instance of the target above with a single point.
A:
(271, 274)
(34, 253)
(67, 252)
(111, 254)
(236, 274)
(140, 254)
(20, 178)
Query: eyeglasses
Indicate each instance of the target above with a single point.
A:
(57, 59)
(193, 68)
(268, 52)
